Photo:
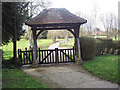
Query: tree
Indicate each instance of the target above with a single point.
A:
(14, 14)
(110, 23)
(35, 7)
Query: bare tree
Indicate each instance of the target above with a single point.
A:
(110, 23)
(36, 6)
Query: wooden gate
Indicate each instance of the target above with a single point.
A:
(49, 56)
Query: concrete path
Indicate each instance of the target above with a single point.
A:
(56, 45)
(67, 76)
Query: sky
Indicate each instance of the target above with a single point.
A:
(86, 7)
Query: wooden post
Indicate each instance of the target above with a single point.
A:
(77, 46)
(35, 62)
(56, 55)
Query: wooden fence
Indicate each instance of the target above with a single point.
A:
(47, 56)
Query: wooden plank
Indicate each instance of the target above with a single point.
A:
(53, 56)
(47, 57)
(44, 59)
(50, 58)
(29, 56)
(26, 55)
(73, 54)
(66, 55)
(42, 55)
(21, 56)
(60, 57)
(63, 56)
(39, 55)
(32, 55)
(56, 55)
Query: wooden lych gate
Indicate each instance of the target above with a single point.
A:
(56, 19)
(50, 56)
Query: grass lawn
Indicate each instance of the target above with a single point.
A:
(15, 78)
(22, 44)
(69, 44)
(105, 67)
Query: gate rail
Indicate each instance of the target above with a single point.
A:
(47, 56)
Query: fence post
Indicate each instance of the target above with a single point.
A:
(39, 55)
(56, 55)
(20, 57)
(26, 61)
(73, 53)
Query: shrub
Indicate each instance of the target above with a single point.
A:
(10, 64)
(106, 46)
(88, 48)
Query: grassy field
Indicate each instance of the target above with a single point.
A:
(15, 78)
(70, 43)
(22, 44)
(105, 67)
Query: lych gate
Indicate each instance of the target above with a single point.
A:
(56, 19)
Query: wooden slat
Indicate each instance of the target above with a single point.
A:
(60, 57)
(73, 54)
(53, 56)
(44, 59)
(39, 55)
(32, 55)
(47, 57)
(63, 56)
(42, 55)
(29, 56)
(26, 59)
(68, 55)
(56, 55)
(50, 58)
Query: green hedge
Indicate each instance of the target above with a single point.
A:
(88, 48)
(91, 47)
(106, 46)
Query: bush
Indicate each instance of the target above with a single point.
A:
(10, 64)
(88, 48)
(106, 46)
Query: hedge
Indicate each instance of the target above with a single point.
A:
(88, 48)
(91, 47)
(106, 46)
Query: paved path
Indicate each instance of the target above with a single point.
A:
(56, 45)
(67, 76)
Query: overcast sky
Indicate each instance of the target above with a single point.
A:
(86, 7)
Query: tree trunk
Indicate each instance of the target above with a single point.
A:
(14, 50)
(35, 61)
(30, 38)
(14, 37)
